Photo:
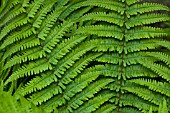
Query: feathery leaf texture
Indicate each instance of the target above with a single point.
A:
(84, 56)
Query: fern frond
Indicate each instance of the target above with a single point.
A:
(108, 4)
(145, 32)
(135, 46)
(46, 79)
(139, 71)
(163, 107)
(128, 100)
(105, 109)
(129, 110)
(77, 68)
(144, 93)
(38, 83)
(41, 15)
(70, 59)
(113, 18)
(101, 30)
(159, 55)
(40, 97)
(26, 32)
(27, 55)
(57, 33)
(13, 13)
(104, 45)
(32, 68)
(145, 7)
(22, 45)
(49, 23)
(160, 87)
(85, 55)
(89, 92)
(7, 6)
(130, 59)
(82, 81)
(46, 94)
(146, 19)
(10, 104)
(34, 7)
(79, 14)
(94, 103)
(161, 70)
(18, 21)
(64, 47)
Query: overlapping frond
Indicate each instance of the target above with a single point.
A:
(10, 104)
(85, 56)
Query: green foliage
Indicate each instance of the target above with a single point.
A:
(84, 56)
(11, 104)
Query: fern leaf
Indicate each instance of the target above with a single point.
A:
(128, 100)
(163, 107)
(7, 6)
(75, 69)
(30, 69)
(91, 105)
(146, 19)
(13, 13)
(138, 71)
(28, 55)
(53, 103)
(26, 32)
(113, 18)
(145, 7)
(130, 2)
(101, 30)
(57, 33)
(145, 32)
(22, 45)
(105, 109)
(89, 92)
(108, 4)
(78, 14)
(49, 23)
(159, 55)
(46, 79)
(144, 93)
(34, 7)
(41, 15)
(130, 59)
(64, 48)
(70, 59)
(40, 97)
(159, 69)
(140, 45)
(103, 45)
(10, 104)
(19, 21)
(82, 81)
(154, 85)
(45, 94)
(38, 83)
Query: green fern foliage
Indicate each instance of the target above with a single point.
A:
(85, 56)
(10, 104)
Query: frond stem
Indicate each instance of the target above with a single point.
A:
(123, 55)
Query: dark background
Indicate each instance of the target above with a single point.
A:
(165, 2)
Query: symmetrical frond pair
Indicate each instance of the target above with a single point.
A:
(101, 56)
